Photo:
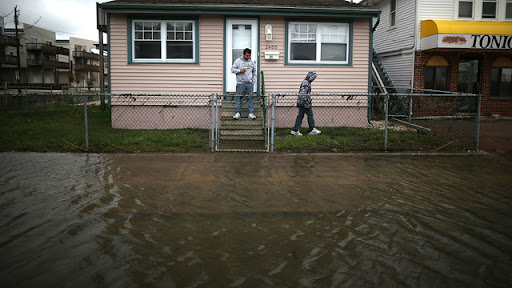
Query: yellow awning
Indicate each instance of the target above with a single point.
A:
(431, 27)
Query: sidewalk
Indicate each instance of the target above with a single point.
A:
(496, 137)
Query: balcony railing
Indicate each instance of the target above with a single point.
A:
(8, 59)
(47, 63)
(7, 41)
(48, 48)
(86, 55)
(87, 67)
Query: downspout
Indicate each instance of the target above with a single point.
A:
(370, 71)
(414, 45)
(376, 24)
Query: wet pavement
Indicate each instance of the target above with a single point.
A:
(255, 220)
(496, 137)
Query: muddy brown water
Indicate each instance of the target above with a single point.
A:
(255, 220)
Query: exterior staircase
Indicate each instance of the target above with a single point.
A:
(381, 81)
(398, 105)
(244, 133)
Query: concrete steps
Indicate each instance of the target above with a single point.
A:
(243, 133)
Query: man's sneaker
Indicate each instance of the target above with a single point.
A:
(296, 133)
(237, 115)
(252, 116)
(315, 132)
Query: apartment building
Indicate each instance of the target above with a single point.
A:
(84, 64)
(6, 59)
(449, 45)
(40, 58)
(47, 62)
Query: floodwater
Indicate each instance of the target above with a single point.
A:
(255, 220)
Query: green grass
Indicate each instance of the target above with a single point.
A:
(61, 129)
(346, 139)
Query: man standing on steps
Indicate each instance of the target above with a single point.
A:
(245, 70)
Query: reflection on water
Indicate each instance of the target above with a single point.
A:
(252, 220)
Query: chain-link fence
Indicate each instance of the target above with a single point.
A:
(242, 128)
(149, 123)
(342, 120)
(43, 122)
(131, 123)
(428, 122)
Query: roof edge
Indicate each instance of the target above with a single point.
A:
(211, 9)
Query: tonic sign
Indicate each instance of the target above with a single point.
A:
(491, 41)
(469, 41)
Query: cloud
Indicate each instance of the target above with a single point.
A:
(68, 18)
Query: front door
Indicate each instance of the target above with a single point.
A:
(240, 34)
(468, 82)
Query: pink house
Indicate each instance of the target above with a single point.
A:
(188, 47)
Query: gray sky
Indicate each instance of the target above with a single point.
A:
(68, 18)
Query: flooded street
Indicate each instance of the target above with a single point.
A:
(255, 220)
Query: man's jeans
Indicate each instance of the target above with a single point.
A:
(244, 89)
(311, 120)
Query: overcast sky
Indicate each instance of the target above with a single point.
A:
(68, 18)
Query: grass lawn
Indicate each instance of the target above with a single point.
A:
(61, 129)
(346, 139)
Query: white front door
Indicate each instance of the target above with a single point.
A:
(240, 34)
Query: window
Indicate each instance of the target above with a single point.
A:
(436, 74)
(325, 43)
(501, 77)
(508, 13)
(163, 41)
(436, 78)
(501, 82)
(392, 14)
(465, 8)
(489, 9)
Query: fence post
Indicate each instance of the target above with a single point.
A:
(212, 123)
(272, 122)
(478, 122)
(86, 124)
(217, 117)
(410, 109)
(386, 102)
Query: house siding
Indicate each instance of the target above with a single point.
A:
(203, 78)
(434, 9)
(281, 78)
(207, 76)
(395, 46)
(401, 36)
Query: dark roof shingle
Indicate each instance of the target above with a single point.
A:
(270, 3)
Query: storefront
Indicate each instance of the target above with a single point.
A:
(468, 57)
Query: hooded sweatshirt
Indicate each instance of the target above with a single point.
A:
(250, 70)
(304, 98)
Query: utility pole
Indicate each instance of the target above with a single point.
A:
(18, 73)
(100, 23)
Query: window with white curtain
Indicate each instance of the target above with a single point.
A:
(326, 43)
(163, 41)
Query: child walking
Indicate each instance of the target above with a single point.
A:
(304, 105)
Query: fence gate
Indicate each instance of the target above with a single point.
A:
(242, 134)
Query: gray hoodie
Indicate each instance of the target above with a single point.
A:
(250, 71)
